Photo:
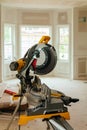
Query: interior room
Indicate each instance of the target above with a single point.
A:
(22, 25)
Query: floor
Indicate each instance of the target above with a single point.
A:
(78, 111)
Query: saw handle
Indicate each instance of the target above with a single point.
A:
(67, 100)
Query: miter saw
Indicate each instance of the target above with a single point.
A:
(48, 104)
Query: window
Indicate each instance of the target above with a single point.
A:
(31, 35)
(63, 42)
(9, 36)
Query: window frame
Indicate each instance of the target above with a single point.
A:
(12, 42)
(58, 42)
(42, 26)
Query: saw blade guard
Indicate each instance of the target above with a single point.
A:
(47, 58)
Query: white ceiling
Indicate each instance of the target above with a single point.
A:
(53, 4)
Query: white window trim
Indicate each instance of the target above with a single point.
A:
(50, 27)
(57, 42)
(13, 42)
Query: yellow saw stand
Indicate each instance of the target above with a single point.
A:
(51, 109)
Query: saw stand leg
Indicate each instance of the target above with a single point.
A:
(58, 124)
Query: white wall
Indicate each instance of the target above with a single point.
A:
(80, 46)
(0, 49)
(78, 39)
(20, 16)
